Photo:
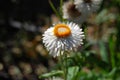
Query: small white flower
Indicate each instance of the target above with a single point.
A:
(63, 37)
(72, 14)
(87, 6)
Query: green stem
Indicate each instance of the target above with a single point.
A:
(55, 10)
(112, 50)
(63, 63)
(61, 13)
(66, 68)
(112, 59)
(61, 59)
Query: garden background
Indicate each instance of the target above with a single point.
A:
(24, 57)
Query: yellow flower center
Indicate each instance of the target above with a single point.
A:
(62, 30)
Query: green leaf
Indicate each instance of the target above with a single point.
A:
(112, 42)
(112, 72)
(103, 52)
(72, 72)
(50, 74)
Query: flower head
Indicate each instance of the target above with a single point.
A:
(87, 6)
(72, 14)
(63, 37)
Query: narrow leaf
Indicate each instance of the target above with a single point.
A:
(50, 74)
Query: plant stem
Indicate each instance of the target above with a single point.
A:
(55, 10)
(61, 59)
(65, 65)
(112, 50)
(61, 13)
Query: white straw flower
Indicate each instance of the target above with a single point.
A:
(87, 6)
(63, 37)
(72, 14)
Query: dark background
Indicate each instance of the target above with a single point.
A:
(21, 11)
